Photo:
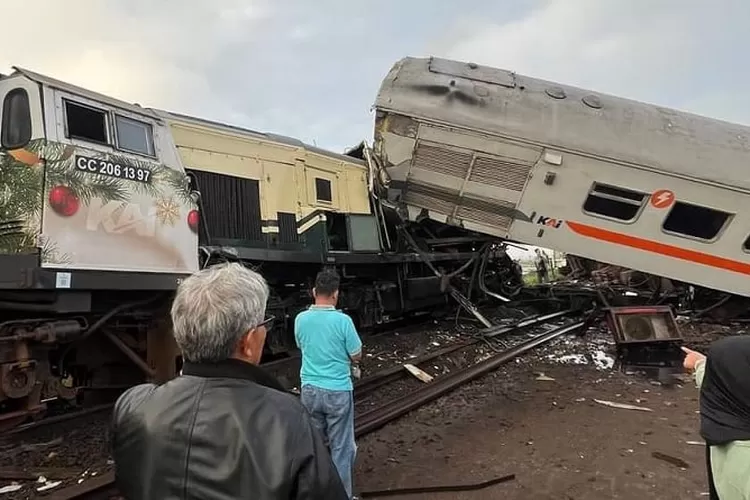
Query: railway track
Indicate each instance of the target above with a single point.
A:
(495, 337)
(103, 487)
(389, 412)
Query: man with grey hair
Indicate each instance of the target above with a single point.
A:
(224, 428)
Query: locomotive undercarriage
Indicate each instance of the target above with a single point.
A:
(373, 294)
(53, 361)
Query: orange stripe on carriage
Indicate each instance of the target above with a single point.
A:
(659, 248)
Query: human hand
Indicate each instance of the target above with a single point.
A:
(356, 372)
(691, 359)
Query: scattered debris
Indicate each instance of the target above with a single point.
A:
(541, 376)
(677, 462)
(571, 359)
(622, 406)
(695, 443)
(11, 488)
(438, 489)
(48, 486)
(420, 374)
(602, 360)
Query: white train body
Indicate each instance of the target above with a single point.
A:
(89, 183)
(610, 179)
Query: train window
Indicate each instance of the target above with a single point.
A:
(134, 136)
(86, 123)
(614, 202)
(363, 232)
(16, 119)
(746, 245)
(695, 221)
(323, 190)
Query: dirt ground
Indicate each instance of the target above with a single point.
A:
(551, 434)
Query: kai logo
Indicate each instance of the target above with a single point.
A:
(549, 222)
(116, 218)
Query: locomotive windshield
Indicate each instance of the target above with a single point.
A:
(15, 127)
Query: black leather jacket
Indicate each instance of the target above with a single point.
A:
(219, 431)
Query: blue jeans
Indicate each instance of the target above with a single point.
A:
(333, 414)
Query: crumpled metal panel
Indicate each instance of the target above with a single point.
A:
(430, 199)
(498, 214)
(473, 71)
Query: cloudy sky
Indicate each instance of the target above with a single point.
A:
(311, 68)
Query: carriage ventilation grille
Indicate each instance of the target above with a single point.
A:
(483, 217)
(500, 173)
(442, 161)
(496, 172)
(496, 214)
(424, 200)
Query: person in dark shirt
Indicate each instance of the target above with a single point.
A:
(724, 381)
(224, 428)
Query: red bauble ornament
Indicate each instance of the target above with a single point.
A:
(193, 219)
(63, 201)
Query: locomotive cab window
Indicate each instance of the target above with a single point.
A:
(613, 202)
(363, 232)
(323, 190)
(15, 129)
(746, 244)
(134, 136)
(86, 123)
(695, 221)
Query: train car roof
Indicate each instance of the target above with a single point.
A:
(290, 141)
(568, 118)
(81, 92)
(162, 114)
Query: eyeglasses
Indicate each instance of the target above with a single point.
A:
(268, 322)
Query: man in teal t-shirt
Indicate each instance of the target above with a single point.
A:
(331, 351)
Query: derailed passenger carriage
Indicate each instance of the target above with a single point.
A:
(605, 178)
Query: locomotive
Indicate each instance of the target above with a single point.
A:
(107, 206)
